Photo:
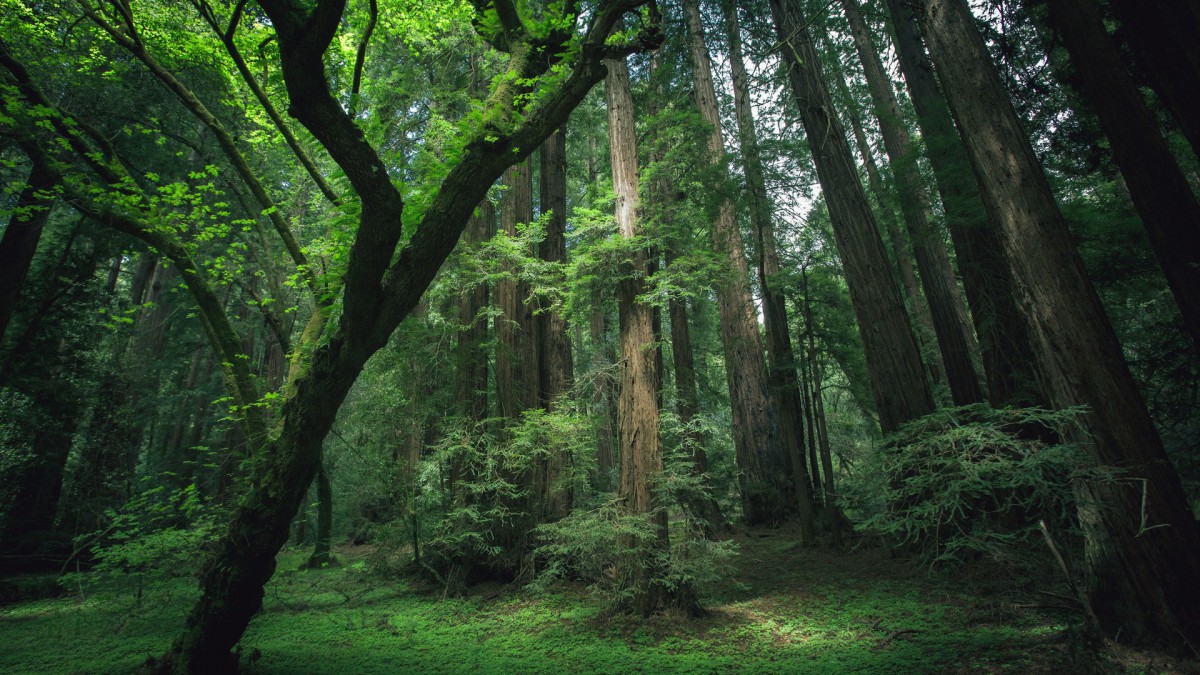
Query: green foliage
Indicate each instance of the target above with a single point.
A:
(159, 536)
(971, 480)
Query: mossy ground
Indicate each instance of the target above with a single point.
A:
(794, 610)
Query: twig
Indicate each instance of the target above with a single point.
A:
(1093, 622)
(895, 634)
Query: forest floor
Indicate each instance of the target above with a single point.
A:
(793, 610)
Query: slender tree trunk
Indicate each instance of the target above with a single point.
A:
(1002, 329)
(553, 343)
(637, 402)
(764, 469)
(1165, 38)
(937, 278)
(1161, 193)
(784, 387)
(1142, 543)
(321, 555)
(918, 307)
(898, 382)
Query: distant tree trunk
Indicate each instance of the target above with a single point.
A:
(471, 376)
(1002, 329)
(898, 383)
(20, 240)
(516, 351)
(1165, 38)
(950, 321)
(321, 555)
(1142, 542)
(785, 391)
(918, 307)
(1161, 193)
(637, 402)
(764, 469)
(553, 343)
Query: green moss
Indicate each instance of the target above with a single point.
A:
(802, 613)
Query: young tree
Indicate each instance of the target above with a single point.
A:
(1142, 540)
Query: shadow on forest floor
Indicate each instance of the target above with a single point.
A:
(794, 610)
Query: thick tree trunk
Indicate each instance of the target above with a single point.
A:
(1001, 327)
(1160, 192)
(898, 383)
(1143, 547)
(784, 387)
(764, 469)
(949, 317)
(1165, 38)
(20, 240)
(637, 402)
(471, 376)
(553, 343)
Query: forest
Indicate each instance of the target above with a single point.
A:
(599, 336)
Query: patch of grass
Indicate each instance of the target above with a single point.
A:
(798, 610)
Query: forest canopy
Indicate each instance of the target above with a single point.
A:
(555, 294)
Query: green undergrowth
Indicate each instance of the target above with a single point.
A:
(794, 610)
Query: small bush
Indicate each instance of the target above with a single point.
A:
(972, 480)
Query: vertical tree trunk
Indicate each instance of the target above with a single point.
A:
(1143, 548)
(937, 278)
(898, 382)
(516, 350)
(553, 343)
(1161, 193)
(637, 402)
(471, 376)
(763, 465)
(1165, 38)
(785, 391)
(1002, 329)
(321, 555)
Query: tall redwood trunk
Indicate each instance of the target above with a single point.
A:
(637, 401)
(553, 343)
(898, 382)
(1160, 192)
(1142, 542)
(1001, 327)
(763, 465)
(784, 387)
(949, 315)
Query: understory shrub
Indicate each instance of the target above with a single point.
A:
(972, 480)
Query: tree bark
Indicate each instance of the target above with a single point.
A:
(321, 555)
(898, 383)
(637, 400)
(516, 350)
(1160, 192)
(763, 465)
(553, 343)
(1001, 327)
(1142, 543)
(784, 387)
(950, 323)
